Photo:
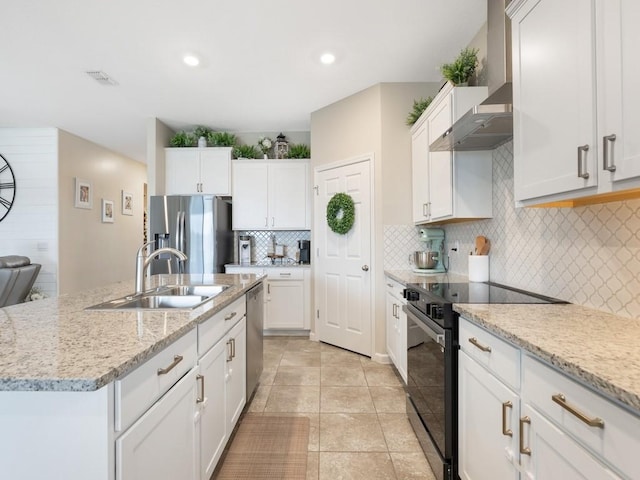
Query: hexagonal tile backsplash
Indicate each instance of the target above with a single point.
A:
(586, 255)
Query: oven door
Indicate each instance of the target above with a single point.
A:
(431, 386)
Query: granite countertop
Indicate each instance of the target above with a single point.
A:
(54, 344)
(598, 348)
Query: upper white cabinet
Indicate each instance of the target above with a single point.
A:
(449, 185)
(271, 195)
(193, 170)
(574, 96)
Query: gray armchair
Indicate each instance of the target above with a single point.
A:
(17, 276)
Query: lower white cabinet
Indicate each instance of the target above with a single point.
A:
(521, 418)
(396, 320)
(235, 377)
(162, 443)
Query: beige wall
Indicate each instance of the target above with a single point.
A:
(92, 253)
(158, 137)
(373, 121)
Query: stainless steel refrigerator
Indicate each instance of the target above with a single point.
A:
(198, 225)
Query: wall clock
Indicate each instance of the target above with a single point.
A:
(7, 187)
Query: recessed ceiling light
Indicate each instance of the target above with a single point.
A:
(327, 58)
(191, 60)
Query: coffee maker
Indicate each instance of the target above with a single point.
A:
(304, 247)
(244, 249)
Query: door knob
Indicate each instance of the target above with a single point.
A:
(365, 268)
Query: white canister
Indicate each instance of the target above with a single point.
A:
(478, 268)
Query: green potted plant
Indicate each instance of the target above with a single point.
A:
(201, 133)
(183, 139)
(419, 106)
(299, 150)
(245, 151)
(462, 67)
(221, 139)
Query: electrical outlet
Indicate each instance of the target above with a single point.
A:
(456, 247)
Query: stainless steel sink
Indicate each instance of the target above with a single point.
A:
(170, 297)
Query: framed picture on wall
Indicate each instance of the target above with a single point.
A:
(127, 203)
(107, 211)
(83, 194)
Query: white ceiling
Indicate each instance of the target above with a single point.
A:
(259, 70)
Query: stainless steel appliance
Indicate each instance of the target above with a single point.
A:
(304, 246)
(244, 249)
(255, 320)
(198, 225)
(432, 362)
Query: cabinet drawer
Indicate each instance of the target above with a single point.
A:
(501, 358)
(137, 391)
(213, 329)
(617, 441)
(249, 270)
(396, 289)
(284, 273)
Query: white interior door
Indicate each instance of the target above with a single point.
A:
(343, 262)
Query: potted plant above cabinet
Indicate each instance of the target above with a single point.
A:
(447, 185)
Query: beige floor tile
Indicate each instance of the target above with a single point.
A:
(398, 433)
(267, 376)
(389, 399)
(412, 466)
(346, 400)
(302, 344)
(314, 427)
(348, 432)
(293, 399)
(333, 375)
(356, 466)
(297, 376)
(271, 360)
(260, 398)
(300, 359)
(313, 466)
(337, 356)
(381, 376)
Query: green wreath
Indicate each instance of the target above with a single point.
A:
(341, 202)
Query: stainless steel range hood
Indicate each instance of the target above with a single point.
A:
(490, 124)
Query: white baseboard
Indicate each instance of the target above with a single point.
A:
(313, 337)
(381, 358)
(285, 333)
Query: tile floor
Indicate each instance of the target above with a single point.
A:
(359, 429)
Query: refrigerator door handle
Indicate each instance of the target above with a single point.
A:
(183, 239)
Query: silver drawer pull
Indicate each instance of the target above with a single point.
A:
(524, 450)
(176, 360)
(582, 161)
(474, 341)
(607, 144)
(200, 378)
(506, 431)
(230, 316)
(285, 274)
(561, 400)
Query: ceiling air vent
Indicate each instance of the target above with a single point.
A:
(101, 77)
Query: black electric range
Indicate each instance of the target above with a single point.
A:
(432, 361)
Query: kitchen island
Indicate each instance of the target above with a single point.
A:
(76, 384)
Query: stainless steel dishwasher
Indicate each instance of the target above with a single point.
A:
(255, 320)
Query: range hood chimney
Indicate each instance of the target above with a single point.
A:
(489, 124)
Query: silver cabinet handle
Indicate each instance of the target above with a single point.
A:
(506, 431)
(176, 360)
(524, 450)
(268, 288)
(273, 221)
(230, 316)
(365, 268)
(287, 274)
(424, 210)
(266, 221)
(582, 161)
(474, 341)
(233, 348)
(607, 144)
(561, 400)
(200, 397)
(393, 311)
(229, 351)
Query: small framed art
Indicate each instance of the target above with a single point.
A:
(127, 203)
(107, 211)
(83, 194)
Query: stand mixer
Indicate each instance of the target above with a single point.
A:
(434, 242)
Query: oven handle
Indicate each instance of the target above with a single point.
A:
(428, 326)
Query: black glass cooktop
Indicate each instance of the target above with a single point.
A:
(479, 292)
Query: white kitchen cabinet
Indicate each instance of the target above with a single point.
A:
(502, 389)
(162, 443)
(575, 138)
(194, 170)
(396, 326)
(271, 195)
(287, 297)
(447, 185)
(236, 373)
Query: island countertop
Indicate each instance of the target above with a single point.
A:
(55, 344)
